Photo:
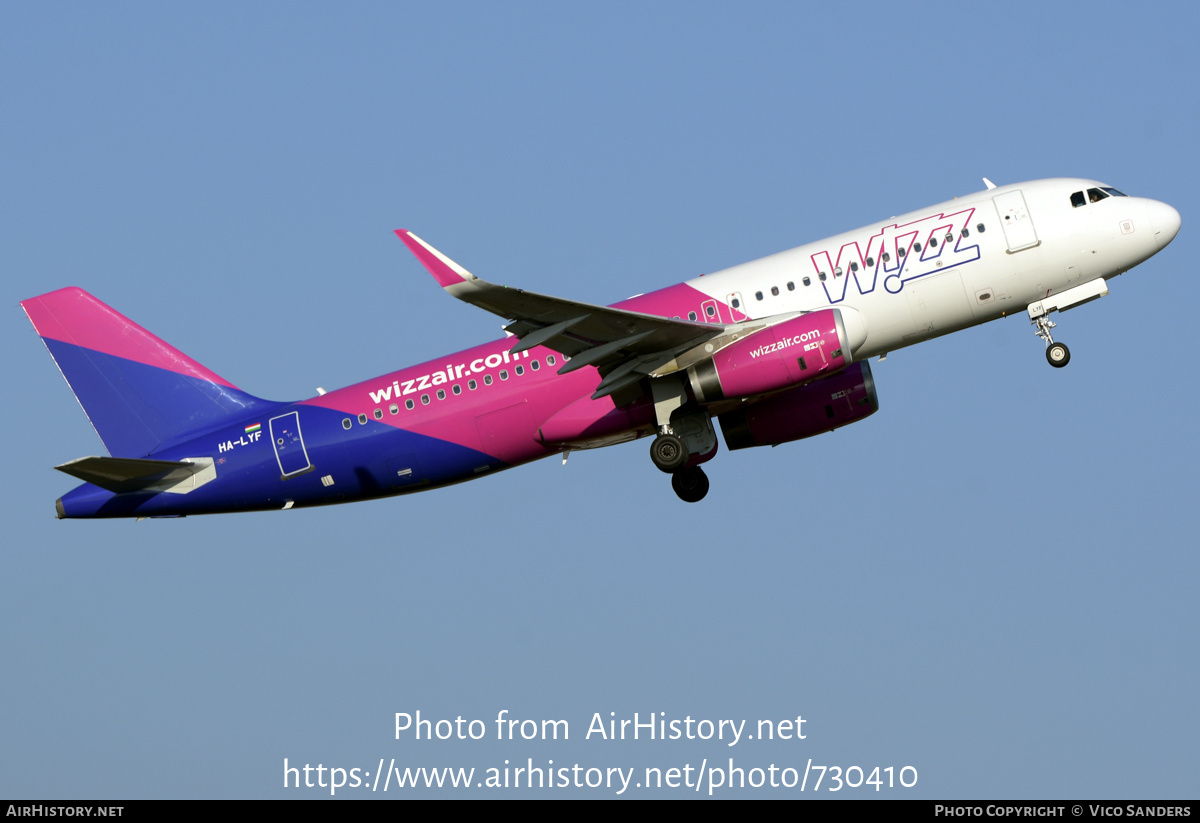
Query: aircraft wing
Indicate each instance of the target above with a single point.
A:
(624, 345)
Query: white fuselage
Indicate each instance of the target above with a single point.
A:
(1033, 243)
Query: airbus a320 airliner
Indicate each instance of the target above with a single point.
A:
(776, 350)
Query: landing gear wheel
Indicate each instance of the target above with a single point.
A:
(668, 452)
(690, 484)
(1058, 355)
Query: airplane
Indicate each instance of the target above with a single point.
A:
(776, 350)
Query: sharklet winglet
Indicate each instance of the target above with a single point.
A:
(444, 270)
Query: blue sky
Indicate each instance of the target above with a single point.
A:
(997, 590)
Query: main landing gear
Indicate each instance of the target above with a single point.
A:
(685, 435)
(691, 484)
(668, 452)
(671, 456)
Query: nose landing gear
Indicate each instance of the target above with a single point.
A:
(1057, 354)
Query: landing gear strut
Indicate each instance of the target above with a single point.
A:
(690, 484)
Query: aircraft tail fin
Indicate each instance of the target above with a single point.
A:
(138, 392)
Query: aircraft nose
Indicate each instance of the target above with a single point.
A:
(1165, 222)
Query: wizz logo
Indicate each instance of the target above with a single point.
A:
(897, 254)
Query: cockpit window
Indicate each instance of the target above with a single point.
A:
(1114, 192)
(1077, 199)
(1095, 195)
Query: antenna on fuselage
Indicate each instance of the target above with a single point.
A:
(989, 183)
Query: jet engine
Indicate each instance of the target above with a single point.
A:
(814, 408)
(795, 351)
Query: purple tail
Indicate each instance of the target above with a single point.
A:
(139, 393)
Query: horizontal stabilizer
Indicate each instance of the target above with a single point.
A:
(127, 474)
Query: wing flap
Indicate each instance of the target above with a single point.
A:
(537, 336)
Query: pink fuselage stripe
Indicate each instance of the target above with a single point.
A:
(673, 301)
(543, 391)
(73, 316)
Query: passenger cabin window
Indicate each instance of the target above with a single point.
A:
(1077, 200)
(807, 281)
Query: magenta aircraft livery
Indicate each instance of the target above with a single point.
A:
(776, 350)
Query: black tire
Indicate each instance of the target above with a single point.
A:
(1058, 355)
(668, 453)
(690, 484)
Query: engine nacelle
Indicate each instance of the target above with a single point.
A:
(789, 353)
(814, 408)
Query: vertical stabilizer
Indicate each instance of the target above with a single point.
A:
(138, 392)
